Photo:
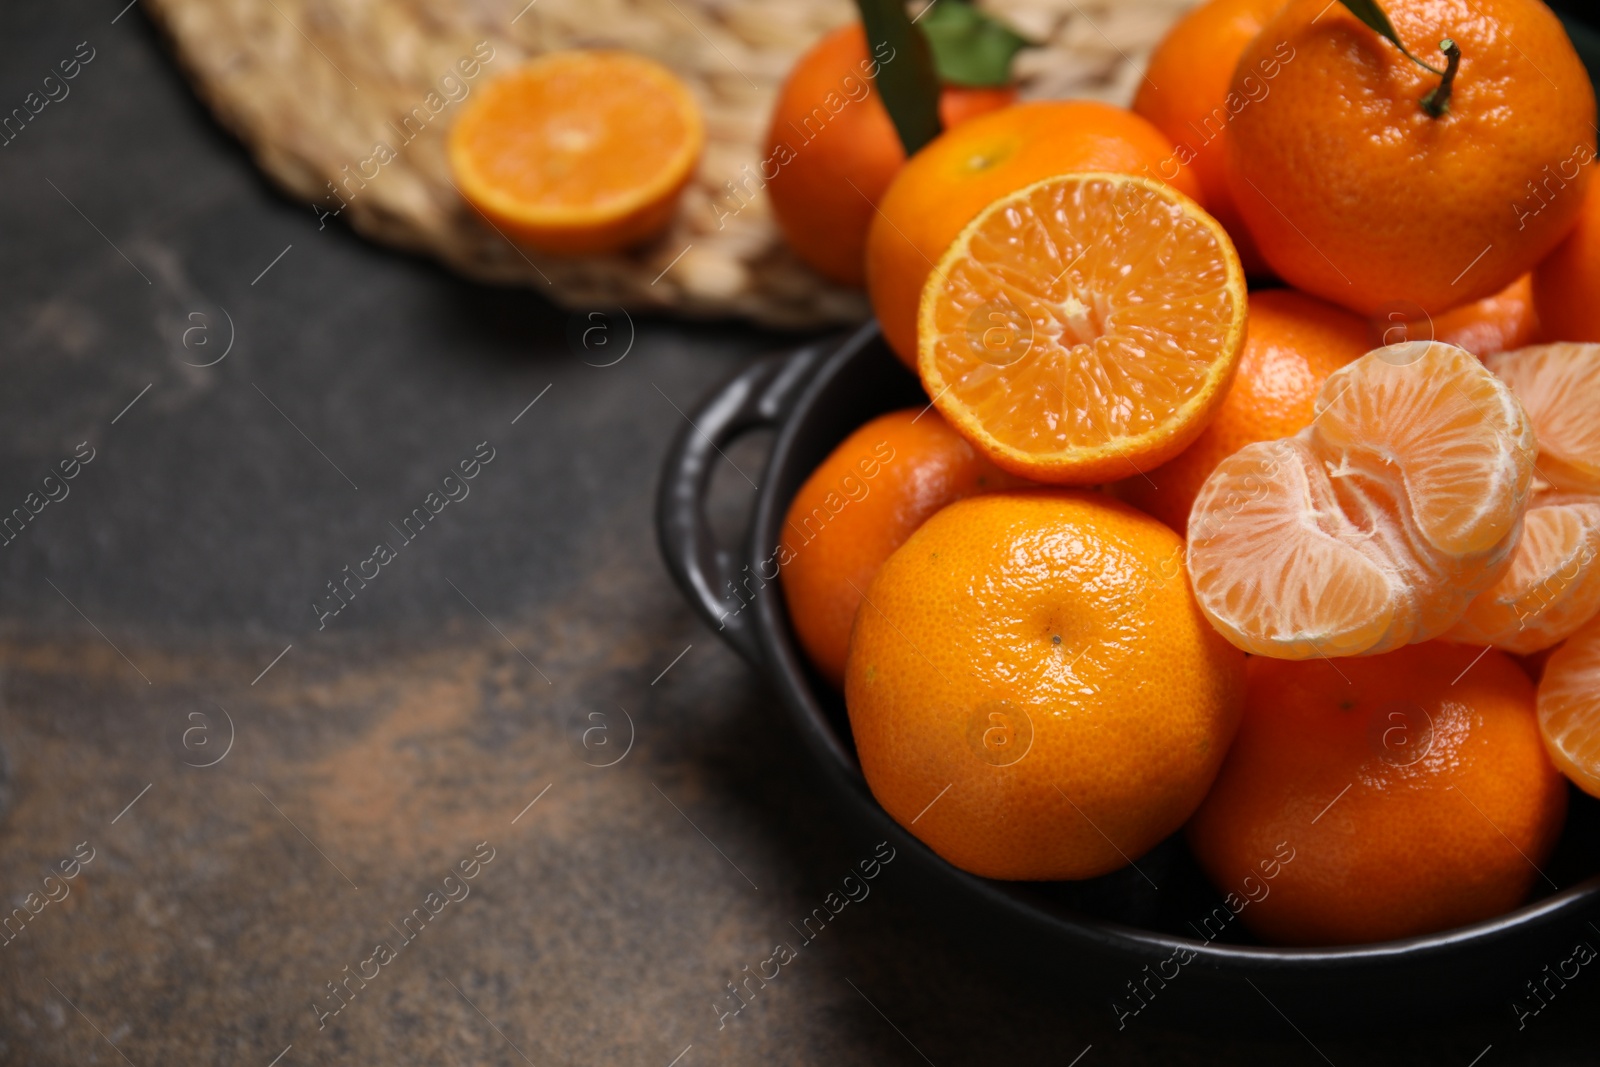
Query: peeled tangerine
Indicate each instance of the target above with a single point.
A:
(1552, 586)
(1559, 385)
(1377, 525)
(1569, 708)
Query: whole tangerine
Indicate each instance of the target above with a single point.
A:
(1412, 789)
(1565, 284)
(832, 150)
(857, 507)
(1188, 93)
(1497, 323)
(1354, 190)
(1033, 692)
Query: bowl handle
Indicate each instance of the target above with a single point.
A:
(757, 397)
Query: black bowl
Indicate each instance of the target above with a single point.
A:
(1098, 935)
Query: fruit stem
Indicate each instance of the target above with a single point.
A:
(1437, 102)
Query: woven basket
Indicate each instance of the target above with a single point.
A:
(315, 87)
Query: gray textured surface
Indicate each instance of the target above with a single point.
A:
(379, 751)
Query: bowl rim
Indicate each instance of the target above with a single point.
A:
(784, 665)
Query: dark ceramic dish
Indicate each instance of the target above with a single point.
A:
(1099, 935)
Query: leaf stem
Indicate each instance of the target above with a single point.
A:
(1437, 101)
(1423, 63)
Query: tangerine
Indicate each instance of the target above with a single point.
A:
(1569, 708)
(1355, 192)
(1032, 690)
(857, 507)
(1553, 584)
(578, 152)
(1187, 93)
(1565, 283)
(833, 150)
(1377, 524)
(1497, 323)
(1558, 384)
(1411, 789)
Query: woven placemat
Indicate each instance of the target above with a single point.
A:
(346, 103)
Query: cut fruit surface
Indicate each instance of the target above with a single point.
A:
(578, 152)
(1083, 328)
(1559, 385)
(1569, 708)
(1553, 584)
(1378, 524)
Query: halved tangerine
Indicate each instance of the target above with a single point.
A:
(1375, 526)
(1559, 385)
(580, 151)
(1553, 584)
(1083, 328)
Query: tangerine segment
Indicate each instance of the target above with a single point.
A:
(580, 151)
(1569, 708)
(1276, 564)
(1460, 440)
(1376, 525)
(1083, 328)
(832, 165)
(1558, 385)
(1553, 584)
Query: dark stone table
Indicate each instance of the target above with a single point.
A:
(252, 792)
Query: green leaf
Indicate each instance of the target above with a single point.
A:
(1369, 12)
(906, 76)
(969, 47)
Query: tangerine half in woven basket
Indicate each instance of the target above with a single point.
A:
(580, 152)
